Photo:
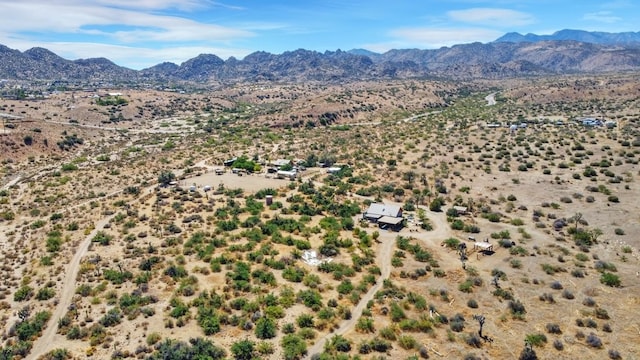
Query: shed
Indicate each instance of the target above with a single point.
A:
(291, 175)
(280, 162)
(395, 223)
(460, 210)
(483, 246)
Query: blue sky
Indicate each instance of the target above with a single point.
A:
(142, 33)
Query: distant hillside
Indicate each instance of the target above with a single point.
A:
(624, 38)
(504, 58)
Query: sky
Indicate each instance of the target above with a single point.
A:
(142, 33)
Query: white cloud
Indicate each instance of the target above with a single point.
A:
(492, 17)
(69, 17)
(606, 17)
(617, 4)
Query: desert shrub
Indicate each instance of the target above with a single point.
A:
(588, 301)
(111, 318)
(243, 349)
(265, 328)
(594, 341)
(502, 293)
(558, 345)
(550, 269)
(582, 257)
(208, 320)
(577, 273)
(457, 326)
(388, 333)
(604, 266)
(451, 243)
(516, 308)
(567, 294)
(365, 324)
(30, 328)
(305, 321)
(396, 312)
(466, 286)
(601, 313)
(23, 293)
(424, 352)
(546, 297)
(472, 303)
(380, 345)
(610, 279)
(102, 238)
(556, 285)
(407, 342)
(288, 328)
(473, 340)
(607, 328)
(553, 329)
(45, 293)
(536, 339)
(338, 343)
(294, 347)
(590, 323)
(614, 354)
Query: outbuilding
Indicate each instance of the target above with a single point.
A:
(385, 215)
(282, 174)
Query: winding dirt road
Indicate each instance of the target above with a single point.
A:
(43, 344)
(385, 252)
(46, 343)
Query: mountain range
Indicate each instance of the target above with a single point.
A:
(512, 55)
(594, 37)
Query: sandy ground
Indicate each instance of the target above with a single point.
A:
(248, 182)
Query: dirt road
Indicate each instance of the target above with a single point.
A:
(385, 252)
(45, 342)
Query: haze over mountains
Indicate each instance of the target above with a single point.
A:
(566, 51)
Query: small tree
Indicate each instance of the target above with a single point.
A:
(436, 204)
(166, 177)
(576, 219)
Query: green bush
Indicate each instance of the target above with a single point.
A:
(536, 339)
(23, 293)
(265, 328)
(294, 347)
(610, 279)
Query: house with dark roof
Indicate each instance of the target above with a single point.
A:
(385, 215)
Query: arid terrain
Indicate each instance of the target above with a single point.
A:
(124, 235)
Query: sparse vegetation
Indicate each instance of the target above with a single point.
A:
(186, 229)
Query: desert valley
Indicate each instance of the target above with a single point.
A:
(397, 218)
